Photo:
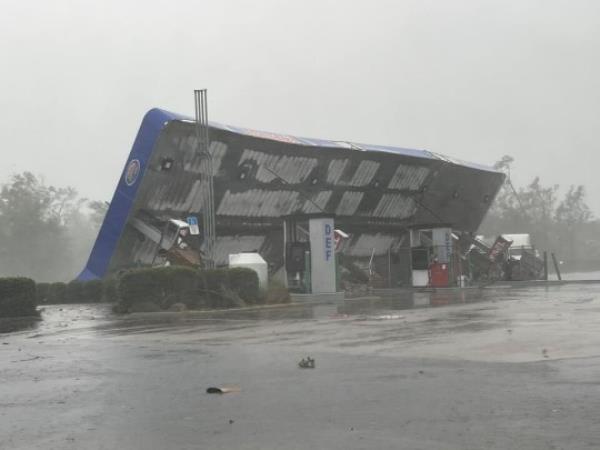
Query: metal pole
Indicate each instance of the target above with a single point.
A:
(389, 255)
(371, 265)
(545, 265)
(206, 171)
(160, 241)
(556, 266)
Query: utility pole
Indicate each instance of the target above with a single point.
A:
(206, 177)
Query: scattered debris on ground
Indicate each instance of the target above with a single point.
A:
(307, 363)
(388, 317)
(222, 390)
(33, 358)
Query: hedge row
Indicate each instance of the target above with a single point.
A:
(161, 288)
(165, 286)
(17, 297)
(93, 291)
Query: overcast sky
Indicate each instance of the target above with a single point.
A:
(472, 79)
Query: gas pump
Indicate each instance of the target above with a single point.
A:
(297, 266)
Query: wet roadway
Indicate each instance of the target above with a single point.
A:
(479, 369)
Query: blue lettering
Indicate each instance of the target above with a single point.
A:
(328, 241)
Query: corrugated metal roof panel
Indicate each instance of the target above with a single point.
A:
(349, 203)
(293, 169)
(192, 161)
(395, 206)
(408, 177)
(364, 174)
(259, 203)
(195, 198)
(320, 199)
(336, 170)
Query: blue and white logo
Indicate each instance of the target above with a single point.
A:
(132, 171)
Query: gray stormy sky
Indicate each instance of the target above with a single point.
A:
(472, 79)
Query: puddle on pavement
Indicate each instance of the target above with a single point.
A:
(411, 300)
(62, 319)
(58, 319)
(92, 319)
(12, 325)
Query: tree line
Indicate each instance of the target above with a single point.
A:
(561, 224)
(46, 233)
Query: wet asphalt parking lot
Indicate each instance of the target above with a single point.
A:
(478, 369)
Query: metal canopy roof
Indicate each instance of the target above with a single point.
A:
(348, 145)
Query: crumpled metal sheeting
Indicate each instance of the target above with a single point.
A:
(378, 243)
(292, 169)
(227, 245)
(408, 177)
(143, 251)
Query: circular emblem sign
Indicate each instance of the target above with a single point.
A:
(132, 172)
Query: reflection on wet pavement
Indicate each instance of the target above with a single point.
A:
(492, 368)
(99, 317)
(10, 325)
(391, 322)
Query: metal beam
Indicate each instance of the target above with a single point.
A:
(206, 174)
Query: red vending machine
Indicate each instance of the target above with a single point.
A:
(438, 275)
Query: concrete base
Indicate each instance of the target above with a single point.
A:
(334, 297)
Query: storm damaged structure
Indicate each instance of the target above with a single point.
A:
(387, 202)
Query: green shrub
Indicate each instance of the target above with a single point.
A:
(57, 293)
(244, 282)
(144, 307)
(74, 292)
(163, 286)
(17, 297)
(109, 290)
(92, 291)
(181, 285)
(277, 293)
(138, 286)
(42, 290)
(215, 283)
